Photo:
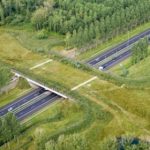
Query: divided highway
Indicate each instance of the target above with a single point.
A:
(36, 106)
(20, 101)
(30, 103)
(116, 50)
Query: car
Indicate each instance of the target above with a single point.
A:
(10, 109)
(101, 68)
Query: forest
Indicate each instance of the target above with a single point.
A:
(82, 21)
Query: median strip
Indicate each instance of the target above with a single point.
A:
(82, 84)
(30, 102)
(39, 65)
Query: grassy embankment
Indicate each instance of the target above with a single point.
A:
(22, 58)
(104, 109)
(137, 71)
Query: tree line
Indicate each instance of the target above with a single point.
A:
(81, 21)
(140, 50)
(9, 128)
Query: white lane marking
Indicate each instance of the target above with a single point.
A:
(82, 84)
(39, 65)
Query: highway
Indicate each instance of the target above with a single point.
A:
(29, 103)
(116, 60)
(116, 49)
(36, 106)
(20, 101)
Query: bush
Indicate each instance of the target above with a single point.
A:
(69, 142)
(17, 19)
(23, 83)
(5, 75)
(124, 143)
(42, 34)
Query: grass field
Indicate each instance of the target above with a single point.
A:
(130, 107)
(102, 109)
(140, 70)
(57, 116)
(28, 38)
(12, 52)
(61, 73)
(16, 55)
(30, 41)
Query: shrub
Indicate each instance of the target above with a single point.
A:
(23, 83)
(42, 34)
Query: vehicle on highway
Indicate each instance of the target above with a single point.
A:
(117, 49)
(10, 109)
(101, 68)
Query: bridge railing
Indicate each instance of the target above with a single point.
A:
(38, 83)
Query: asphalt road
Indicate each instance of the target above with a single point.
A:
(36, 106)
(118, 48)
(116, 60)
(4, 110)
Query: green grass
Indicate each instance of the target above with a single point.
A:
(13, 53)
(140, 70)
(102, 109)
(28, 38)
(132, 101)
(111, 43)
(117, 69)
(30, 41)
(62, 73)
(56, 117)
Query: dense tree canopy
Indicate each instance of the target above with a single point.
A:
(83, 20)
(140, 50)
(9, 128)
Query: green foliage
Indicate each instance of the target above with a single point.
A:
(23, 83)
(70, 142)
(87, 21)
(125, 72)
(126, 143)
(140, 51)
(42, 34)
(109, 144)
(5, 75)
(39, 18)
(9, 128)
(91, 111)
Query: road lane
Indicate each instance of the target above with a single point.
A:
(20, 101)
(116, 60)
(36, 106)
(118, 48)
